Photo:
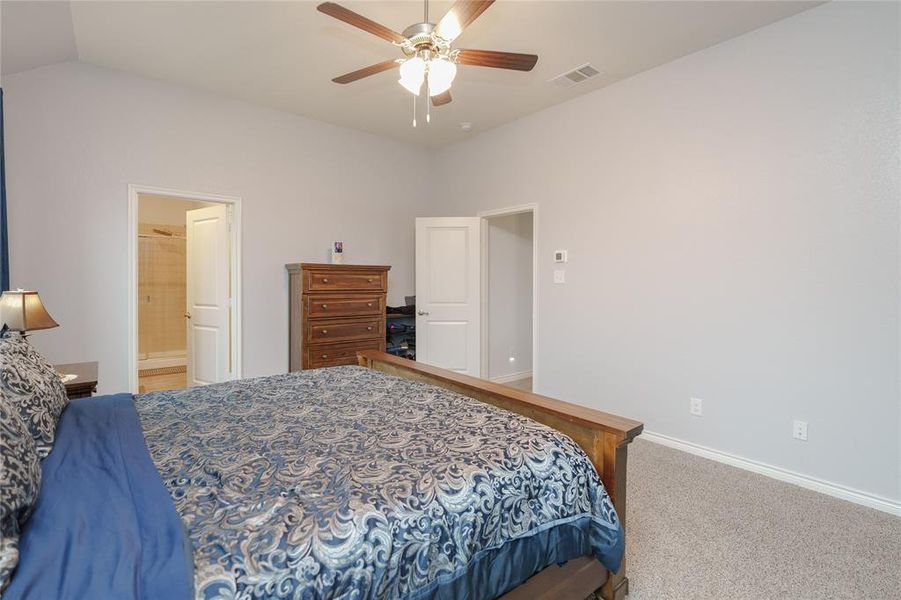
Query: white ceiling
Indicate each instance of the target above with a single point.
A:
(35, 34)
(284, 54)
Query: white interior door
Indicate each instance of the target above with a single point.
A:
(447, 293)
(207, 315)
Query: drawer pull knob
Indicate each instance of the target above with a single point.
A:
(370, 280)
(369, 304)
(325, 356)
(324, 331)
(324, 306)
(325, 280)
(369, 328)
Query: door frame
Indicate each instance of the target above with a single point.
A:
(483, 300)
(235, 259)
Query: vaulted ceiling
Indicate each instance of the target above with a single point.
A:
(284, 54)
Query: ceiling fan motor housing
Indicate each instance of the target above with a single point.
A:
(420, 36)
(419, 32)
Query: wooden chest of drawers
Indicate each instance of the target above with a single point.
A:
(335, 311)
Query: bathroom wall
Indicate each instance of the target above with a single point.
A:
(161, 279)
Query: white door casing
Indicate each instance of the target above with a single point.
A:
(207, 311)
(448, 279)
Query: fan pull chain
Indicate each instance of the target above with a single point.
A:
(414, 111)
(428, 111)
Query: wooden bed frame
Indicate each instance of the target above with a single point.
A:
(604, 437)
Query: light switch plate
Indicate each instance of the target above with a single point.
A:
(696, 407)
(559, 276)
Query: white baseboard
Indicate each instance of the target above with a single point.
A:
(881, 503)
(511, 377)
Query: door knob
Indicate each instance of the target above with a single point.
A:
(421, 313)
(187, 315)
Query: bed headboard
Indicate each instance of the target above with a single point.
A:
(603, 436)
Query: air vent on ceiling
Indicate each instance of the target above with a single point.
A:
(577, 75)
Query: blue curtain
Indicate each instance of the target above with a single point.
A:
(4, 240)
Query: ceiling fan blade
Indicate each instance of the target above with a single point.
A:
(497, 60)
(351, 18)
(366, 71)
(460, 15)
(441, 99)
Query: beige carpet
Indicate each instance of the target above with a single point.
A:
(700, 529)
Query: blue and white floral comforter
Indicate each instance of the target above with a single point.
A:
(350, 483)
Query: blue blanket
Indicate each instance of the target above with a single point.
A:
(104, 525)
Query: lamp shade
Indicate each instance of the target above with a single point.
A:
(412, 73)
(441, 76)
(22, 310)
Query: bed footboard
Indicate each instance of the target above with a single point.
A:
(603, 436)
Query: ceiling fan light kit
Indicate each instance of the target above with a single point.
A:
(441, 75)
(430, 59)
(412, 74)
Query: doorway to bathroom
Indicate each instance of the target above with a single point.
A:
(184, 289)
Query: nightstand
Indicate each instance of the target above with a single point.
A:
(85, 384)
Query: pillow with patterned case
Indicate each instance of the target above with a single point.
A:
(31, 385)
(20, 479)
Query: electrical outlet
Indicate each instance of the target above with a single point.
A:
(799, 430)
(696, 407)
(559, 276)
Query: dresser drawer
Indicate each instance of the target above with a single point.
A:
(342, 331)
(339, 281)
(332, 355)
(323, 306)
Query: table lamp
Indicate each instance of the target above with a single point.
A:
(23, 311)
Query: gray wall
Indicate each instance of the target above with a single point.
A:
(509, 262)
(732, 226)
(78, 135)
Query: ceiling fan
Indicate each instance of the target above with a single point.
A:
(429, 57)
